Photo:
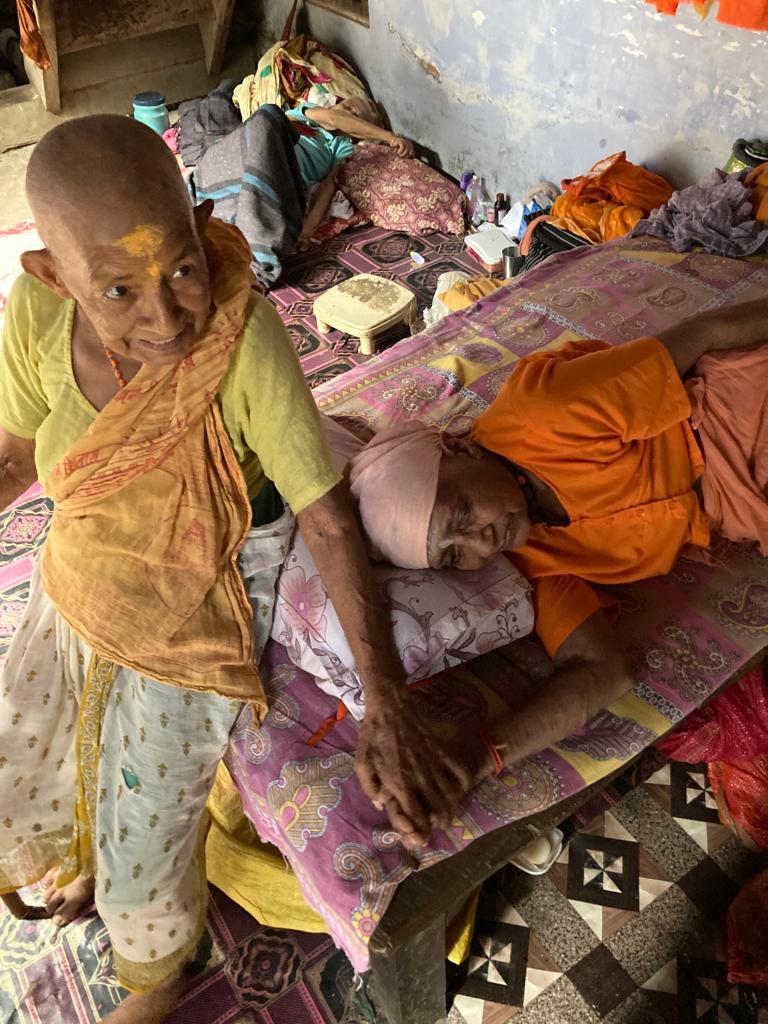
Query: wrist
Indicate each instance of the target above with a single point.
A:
(492, 756)
(384, 700)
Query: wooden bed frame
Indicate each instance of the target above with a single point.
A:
(408, 947)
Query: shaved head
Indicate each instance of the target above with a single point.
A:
(101, 172)
(121, 237)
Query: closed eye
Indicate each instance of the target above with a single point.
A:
(463, 519)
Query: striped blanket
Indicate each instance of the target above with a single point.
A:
(254, 181)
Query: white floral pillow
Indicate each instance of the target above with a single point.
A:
(440, 618)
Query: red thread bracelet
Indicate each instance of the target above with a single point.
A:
(498, 760)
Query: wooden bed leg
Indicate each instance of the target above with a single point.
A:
(409, 983)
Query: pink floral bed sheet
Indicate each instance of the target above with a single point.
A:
(685, 634)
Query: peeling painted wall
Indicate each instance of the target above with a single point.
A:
(528, 89)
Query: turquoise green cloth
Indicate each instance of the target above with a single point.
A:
(318, 154)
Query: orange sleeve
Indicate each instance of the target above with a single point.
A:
(590, 389)
(562, 604)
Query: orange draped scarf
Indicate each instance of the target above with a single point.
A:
(151, 509)
(751, 14)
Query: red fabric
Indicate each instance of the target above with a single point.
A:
(731, 734)
(333, 226)
(733, 727)
(742, 791)
(748, 933)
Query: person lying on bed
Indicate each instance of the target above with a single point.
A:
(325, 142)
(585, 469)
(157, 396)
(259, 176)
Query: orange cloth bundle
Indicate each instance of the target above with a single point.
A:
(609, 199)
(615, 179)
(597, 221)
(32, 42)
(151, 509)
(741, 788)
(752, 14)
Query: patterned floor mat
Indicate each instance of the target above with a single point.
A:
(255, 974)
(363, 251)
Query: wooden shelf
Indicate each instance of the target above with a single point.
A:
(71, 26)
(83, 24)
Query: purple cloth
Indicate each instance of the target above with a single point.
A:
(715, 214)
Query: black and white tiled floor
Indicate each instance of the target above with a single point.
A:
(628, 925)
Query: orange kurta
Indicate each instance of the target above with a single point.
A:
(607, 428)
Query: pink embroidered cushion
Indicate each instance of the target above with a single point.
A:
(400, 194)
(440, 618)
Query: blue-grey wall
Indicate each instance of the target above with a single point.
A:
(528, 89)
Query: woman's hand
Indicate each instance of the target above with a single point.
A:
(403, 767)
(403, 147)
(17, 467)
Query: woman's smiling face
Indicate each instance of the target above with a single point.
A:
(145, 291)
(121, 236)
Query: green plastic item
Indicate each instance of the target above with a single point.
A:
(746, 155)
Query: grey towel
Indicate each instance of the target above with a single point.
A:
(203, 123)
(715, 214)
(254, 181)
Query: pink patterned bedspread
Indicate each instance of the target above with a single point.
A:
(685, 633)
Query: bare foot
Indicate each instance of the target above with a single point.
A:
(152, 1007)
(66, 903)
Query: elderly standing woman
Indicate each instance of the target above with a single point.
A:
(156, 395)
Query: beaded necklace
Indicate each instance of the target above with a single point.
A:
(115, 366)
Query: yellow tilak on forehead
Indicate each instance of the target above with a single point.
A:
(145, 241)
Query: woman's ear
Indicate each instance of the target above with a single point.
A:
(202, 215)
(455, 445)
(40, 264)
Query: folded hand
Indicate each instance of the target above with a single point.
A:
(403, 767)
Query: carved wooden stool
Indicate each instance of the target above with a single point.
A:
(365, 306)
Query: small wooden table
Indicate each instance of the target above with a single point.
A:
(364, 306)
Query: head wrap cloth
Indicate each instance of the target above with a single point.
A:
(394, 479)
